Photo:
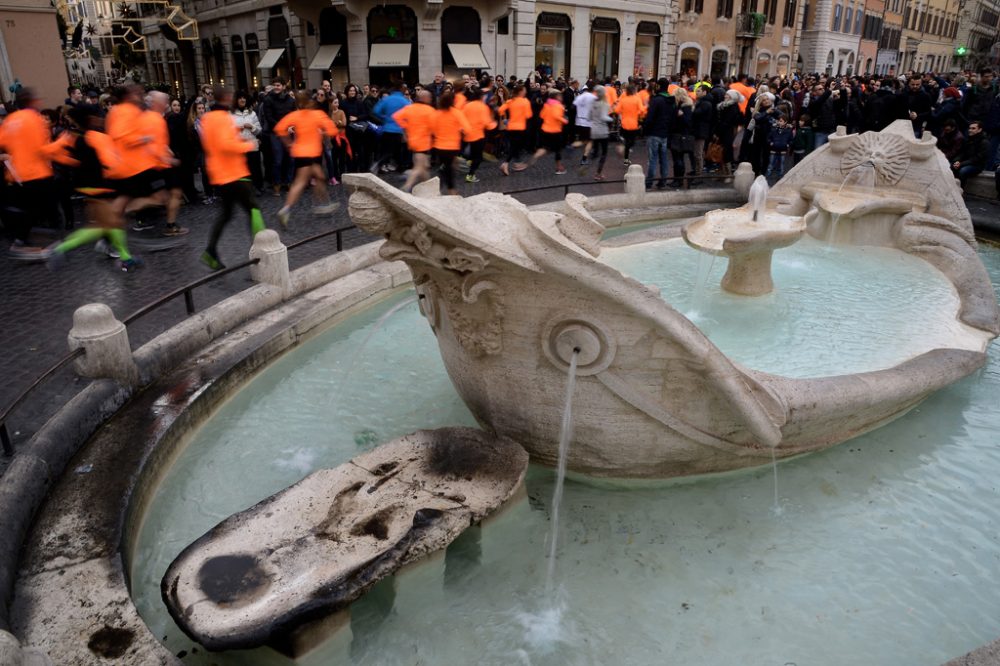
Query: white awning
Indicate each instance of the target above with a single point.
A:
(270, 59)
(389, 55)
(325, 56)
(468, 56)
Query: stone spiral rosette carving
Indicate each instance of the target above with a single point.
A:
(889, 154)
(591, 340)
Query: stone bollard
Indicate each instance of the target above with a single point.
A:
(635, 181)
(743, 178)
(105, 340)
(273, 266)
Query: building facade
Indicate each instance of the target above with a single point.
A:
(725, 37)
(977, 43)
(244, 44)
(871, 32)
(31, 51)
(888, 58)
(832, 35)
(930, 28)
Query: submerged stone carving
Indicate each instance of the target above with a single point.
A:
(313, 548)
(654, 397)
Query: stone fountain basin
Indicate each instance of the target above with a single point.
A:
(733, 231)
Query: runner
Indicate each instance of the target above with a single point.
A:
(417, 121)
(225, 161)
(449, 126)
(167, 184)
(133, 135)
(518, 110)
(553, 116)
(98, 163)
(27, 152)
(480, 118)
(309, 125)
(630, 109)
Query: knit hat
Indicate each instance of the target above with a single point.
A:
(952, 92)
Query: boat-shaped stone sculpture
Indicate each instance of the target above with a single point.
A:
(512, 294)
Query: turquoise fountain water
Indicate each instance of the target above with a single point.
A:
(885, 551)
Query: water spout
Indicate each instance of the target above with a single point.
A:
(758, 197)
(565, 435)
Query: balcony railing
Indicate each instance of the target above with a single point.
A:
(751, 26)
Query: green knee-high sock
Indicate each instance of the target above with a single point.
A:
(117, 237)
(256, 221)
(78, 238)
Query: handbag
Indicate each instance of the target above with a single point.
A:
(714, 152)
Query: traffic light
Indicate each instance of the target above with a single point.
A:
(961, 50)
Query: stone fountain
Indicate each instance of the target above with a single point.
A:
(514, 296)
(747, 238)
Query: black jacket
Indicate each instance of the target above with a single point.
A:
(880, 110)
(976, 103)
(660, 116)
(918, 102)
(274, 108)
(974, 152)
(703, 118)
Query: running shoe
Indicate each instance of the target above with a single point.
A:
(283, 216)
(627, 163)
(334, 181)
(585, 161)
(471, 178)
(325, 209)
(560, 172)
(211, 261)
(174, 230)
(142, 225)
(519, 166)
(129, 265)
(598, 176)
(504, 169)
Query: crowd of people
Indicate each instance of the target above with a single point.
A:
(130, 149)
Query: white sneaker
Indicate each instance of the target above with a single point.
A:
(326, 209)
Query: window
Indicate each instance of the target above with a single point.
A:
(771, 9)
(847, 20)
(724, 9)
(805, 15)
(836, 18)
(857, 22)
(788, 20)
(906, 17)
(695, 6)
(503, 25)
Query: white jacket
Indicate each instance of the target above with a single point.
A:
(247, 117)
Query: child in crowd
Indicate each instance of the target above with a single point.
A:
(804, 140)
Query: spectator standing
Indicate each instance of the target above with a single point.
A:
(276, 105)
(248, 124)
(658, 125)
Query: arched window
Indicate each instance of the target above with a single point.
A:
(461, 30)
(647, 49)
(391, 29)
(605, 40)
(239, 62)
(553, 39)
(829, 63)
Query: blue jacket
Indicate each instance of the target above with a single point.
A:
(780, 138)
(386, 107)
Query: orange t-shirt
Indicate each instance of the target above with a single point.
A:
(480, 119)
(630, 108)
(449, 125)
(108, 154)
(643, 94)
(553, 116)
(310, 126)
(25, 137)
(518, 112)
(154, 125)
(460, 101)
(610, 95)
(125, 125)
(225, 150)
(417, 120)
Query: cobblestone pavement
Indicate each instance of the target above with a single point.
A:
(38, 304)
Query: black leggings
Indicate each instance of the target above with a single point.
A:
(476, 155)
(515, 138)
(34, 201)
(630, 136)
(600, 146)
(446, 158)
(239, 193)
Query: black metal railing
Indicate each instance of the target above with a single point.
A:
(751, 26)
(686, 182)
(187, 291)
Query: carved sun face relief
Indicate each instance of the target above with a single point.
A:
(889, 154)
